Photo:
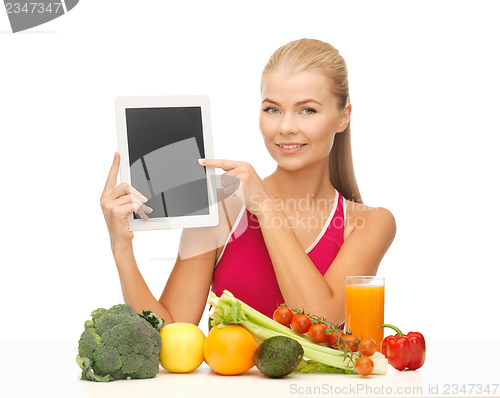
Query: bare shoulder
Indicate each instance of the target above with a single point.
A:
(376, 219)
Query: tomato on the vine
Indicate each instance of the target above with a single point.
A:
(367, 347)
(283, 315)
(350, 341)
(317, 333)
(301, 323)
(332, 339)
(364, 366)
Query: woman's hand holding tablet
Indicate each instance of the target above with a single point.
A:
(118, 202)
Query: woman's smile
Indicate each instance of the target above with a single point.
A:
(289, 148)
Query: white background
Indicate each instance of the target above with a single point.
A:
(424, 87)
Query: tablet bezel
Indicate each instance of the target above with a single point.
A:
(202, 101)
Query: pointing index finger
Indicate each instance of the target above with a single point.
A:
(220, 163)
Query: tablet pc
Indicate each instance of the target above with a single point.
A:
(160, 140)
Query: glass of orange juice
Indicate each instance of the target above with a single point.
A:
(364, 307)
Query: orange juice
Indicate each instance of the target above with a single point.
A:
(364, 311)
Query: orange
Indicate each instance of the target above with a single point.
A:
(229, 350)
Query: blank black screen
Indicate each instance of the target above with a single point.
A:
(164, 147)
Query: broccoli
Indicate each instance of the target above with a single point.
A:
(119, 343)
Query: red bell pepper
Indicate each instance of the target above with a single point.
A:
(404, 351)
(417, 343)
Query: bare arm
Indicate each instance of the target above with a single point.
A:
(135, 291)
(186, 291)
(300, 282)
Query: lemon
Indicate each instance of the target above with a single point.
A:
(182, 347)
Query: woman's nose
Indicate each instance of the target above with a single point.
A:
(288, 125)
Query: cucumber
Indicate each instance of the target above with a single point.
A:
(278, 356)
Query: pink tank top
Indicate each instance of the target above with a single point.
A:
(245, 268)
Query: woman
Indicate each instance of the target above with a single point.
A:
(291, 237)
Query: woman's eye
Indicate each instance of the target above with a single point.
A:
(271, 110)
(308, 111)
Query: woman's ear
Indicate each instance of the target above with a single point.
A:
(345, 117)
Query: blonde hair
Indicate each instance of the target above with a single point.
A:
(306, 54)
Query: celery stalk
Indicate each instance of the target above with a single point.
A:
(227, 309)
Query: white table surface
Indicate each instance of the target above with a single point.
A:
(49, 369)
